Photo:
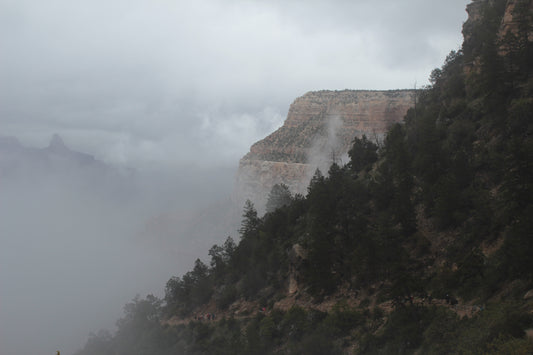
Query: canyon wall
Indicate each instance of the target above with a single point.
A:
(318, 131)
(515, 28)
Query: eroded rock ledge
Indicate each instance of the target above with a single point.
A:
(319, 129)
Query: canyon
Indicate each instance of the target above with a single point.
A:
(318, 131)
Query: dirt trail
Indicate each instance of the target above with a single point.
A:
(245, 309)
(462, 310)
(238, 310)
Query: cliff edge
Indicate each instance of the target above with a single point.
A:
(318, 131)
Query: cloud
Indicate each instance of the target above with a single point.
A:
(129, 72)
(180, 86)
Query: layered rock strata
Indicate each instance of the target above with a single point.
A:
(318, 131)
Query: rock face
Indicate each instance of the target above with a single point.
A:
(297, 255)
(318, 131)
(517, 19)
(515, 27)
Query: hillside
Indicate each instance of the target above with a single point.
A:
(319, 129)
(421, 245)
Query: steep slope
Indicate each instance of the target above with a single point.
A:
(420, 247)
(319, 129)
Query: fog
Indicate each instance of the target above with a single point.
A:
(171, 82)
(80, 239)
(327, 149)
(167, 96)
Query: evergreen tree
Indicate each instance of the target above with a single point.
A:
(362, 154)
(250, 222)
(279, 196)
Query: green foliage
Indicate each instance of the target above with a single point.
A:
(225, 296)
(342, 319)
(294, 323)
(402, 333)
(441, 335)
(182, 295)
(101, 343)
(515, 255)
(221, 257)
(396, 178)
(317, 343)
(250, 222)
(279, 196)
(510, 345)
(418, 215)
(362, 154)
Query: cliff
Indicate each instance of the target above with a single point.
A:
(517, 20)
(428, 253)
(319, 129)
(503, 26)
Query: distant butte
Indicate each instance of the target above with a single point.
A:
(319, 129)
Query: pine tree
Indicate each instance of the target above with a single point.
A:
(279, 196)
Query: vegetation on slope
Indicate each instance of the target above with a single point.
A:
(423, 241)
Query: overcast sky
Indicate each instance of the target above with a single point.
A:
(162, 85)
(168, 82)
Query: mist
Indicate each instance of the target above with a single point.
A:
(326, 148)
(79, 240)
(163, 99)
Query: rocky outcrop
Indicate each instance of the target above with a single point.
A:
(319, 129)
(337, 116)
(513, 24)
(517, 19)
(297, 255)
(19, 160)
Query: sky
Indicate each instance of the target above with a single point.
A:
(178, 91)
(158, 83)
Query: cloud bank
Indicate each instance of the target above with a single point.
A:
(164, 82)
